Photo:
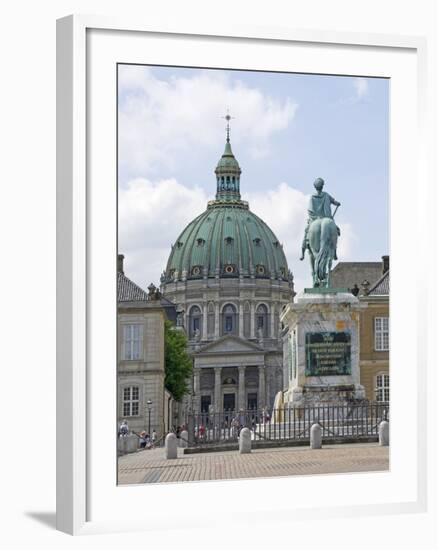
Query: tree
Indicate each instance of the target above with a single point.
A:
(178, 364)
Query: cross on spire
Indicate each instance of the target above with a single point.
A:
(227, 117)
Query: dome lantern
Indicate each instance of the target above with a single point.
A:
(228, 172)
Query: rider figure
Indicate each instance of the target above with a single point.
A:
(319, 207)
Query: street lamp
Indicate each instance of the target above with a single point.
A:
(149, 404)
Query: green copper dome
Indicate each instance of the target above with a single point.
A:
(227, 240)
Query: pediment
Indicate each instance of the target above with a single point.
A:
(230, 344)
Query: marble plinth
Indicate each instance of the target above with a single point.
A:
(321, 348)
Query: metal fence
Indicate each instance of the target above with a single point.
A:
(338, 421)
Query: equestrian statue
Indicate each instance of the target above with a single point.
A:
(321, 235)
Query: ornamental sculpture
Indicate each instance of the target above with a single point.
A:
(321, 235)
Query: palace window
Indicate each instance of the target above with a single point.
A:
(382, 387)
(132, 342)
(381, 333)
(262, 320)
(229, 315)
(195, 322)
(131, 401)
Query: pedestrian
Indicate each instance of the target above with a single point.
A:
(202, 431)
(124, 429)
(154, 437)
(142, 440)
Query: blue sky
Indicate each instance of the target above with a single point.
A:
(288, 129)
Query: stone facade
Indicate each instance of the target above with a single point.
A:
(374, 361)
(140, 367)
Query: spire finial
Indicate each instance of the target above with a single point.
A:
(227, 117)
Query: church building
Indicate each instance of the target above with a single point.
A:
(228, 276)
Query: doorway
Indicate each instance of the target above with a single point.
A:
(229, 401)
(205, 403)
(252, 401)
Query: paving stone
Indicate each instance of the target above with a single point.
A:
(150, 466)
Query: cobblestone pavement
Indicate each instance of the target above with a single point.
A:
(152, 467)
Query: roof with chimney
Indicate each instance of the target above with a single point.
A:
(380, 287)
(128, 291)
(349, 274)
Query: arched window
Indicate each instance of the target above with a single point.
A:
(262, 320)
(229, 320)
(195, 323)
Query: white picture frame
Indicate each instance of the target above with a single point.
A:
(80, 496)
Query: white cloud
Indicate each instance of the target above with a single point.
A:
(284, 209)
(152, 215)
(361, 88)
(346, 242)
(161, 120)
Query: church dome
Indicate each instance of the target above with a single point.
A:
(227, 240)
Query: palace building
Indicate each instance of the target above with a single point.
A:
(228, 276)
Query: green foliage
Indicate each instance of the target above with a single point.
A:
(178, 364)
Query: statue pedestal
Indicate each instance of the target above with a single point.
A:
(321, 348)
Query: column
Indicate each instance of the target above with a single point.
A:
(241, 320)
(216, 321)
(272, 310)
(261, 393)
(241, 395)
(252, 321)
(217, 389)
(197, 389)
(204, 321)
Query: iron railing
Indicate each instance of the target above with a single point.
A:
(338, 421)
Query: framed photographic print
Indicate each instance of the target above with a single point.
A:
(235, 209)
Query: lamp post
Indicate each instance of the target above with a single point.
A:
(149, 404)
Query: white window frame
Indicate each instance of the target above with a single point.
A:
(380, 332)
(130, 351)
(131, 401)
(382, 390)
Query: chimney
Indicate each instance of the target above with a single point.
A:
(385, 264)
(120, 259)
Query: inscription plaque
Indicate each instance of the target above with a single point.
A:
(328, 353)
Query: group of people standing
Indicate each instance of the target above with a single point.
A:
(146, 441)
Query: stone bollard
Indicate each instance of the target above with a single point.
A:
(183, 439)
(245, 441)
(315, 436)
(384, 433)
(171, 446)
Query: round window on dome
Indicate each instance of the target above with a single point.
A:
(229, 269)
(261, 269)
(196, 270)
